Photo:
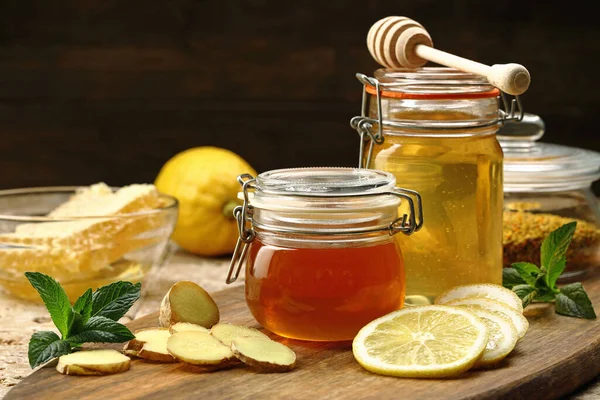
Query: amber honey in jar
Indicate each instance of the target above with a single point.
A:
(434, 130)
(321, 258)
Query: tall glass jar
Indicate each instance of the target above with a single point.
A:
(321, 259)
(434, 130)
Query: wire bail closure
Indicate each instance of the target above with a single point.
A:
(363, 124)
(407, 223)
(243, 215)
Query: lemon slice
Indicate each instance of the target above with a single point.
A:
(421, 342)
(498, 308)
(502, 337)
(485, 290)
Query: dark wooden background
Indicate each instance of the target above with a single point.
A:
(108, 90)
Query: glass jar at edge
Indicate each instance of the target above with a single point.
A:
(438, 137)
(546, 186)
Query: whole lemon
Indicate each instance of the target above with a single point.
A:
(203, 180)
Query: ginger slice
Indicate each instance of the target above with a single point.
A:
(199, 348)
(188, 302)
(187, 327)
(264, 354)
(144, 335)
(93, 362)
(150, 344)
(226, 333)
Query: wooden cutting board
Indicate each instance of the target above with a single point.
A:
(557, 355)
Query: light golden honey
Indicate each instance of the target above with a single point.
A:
(459, 177)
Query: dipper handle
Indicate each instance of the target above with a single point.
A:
(397, 42)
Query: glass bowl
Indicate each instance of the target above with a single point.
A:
(80, 252)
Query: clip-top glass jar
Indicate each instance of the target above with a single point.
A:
(434, 129)
(321, 259)
(546, 186)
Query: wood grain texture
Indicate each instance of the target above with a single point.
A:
(557, 355)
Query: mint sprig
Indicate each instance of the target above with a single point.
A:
(538, 284)
(83, 305)
(55, 299)
(44, 346)
(93, 317)
(113, 301)
(101, 330)
(574, 301)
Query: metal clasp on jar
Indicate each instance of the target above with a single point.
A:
(243, 215)
(363, 124)
(407, 224)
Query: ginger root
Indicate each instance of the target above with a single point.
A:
(264, 354)
(150, 344)
(227, 332)
(188, 302)
(187, 327)
(93, 362)
(199, 348)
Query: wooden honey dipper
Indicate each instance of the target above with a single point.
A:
(397, 42)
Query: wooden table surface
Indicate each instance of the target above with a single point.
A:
(18, 319)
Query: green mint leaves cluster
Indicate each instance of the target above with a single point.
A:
(93, 317)
(533, 283)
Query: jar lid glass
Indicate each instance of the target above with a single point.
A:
(324, 181)
(337, 206)
(429, 102)
(531, 166)
(324, 190)
(330, 200)
(433, 82)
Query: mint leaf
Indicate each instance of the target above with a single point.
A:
(531, 283)
(55, 299)
(525, 292)
(91, 319)
(113, 301)
(554, 250)
(557, 269)
(75, 325)
(527, 271)
(83, 306)
(544, 295)
(573, 301)
(102, 329)
(44, 346)
(510, 278)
